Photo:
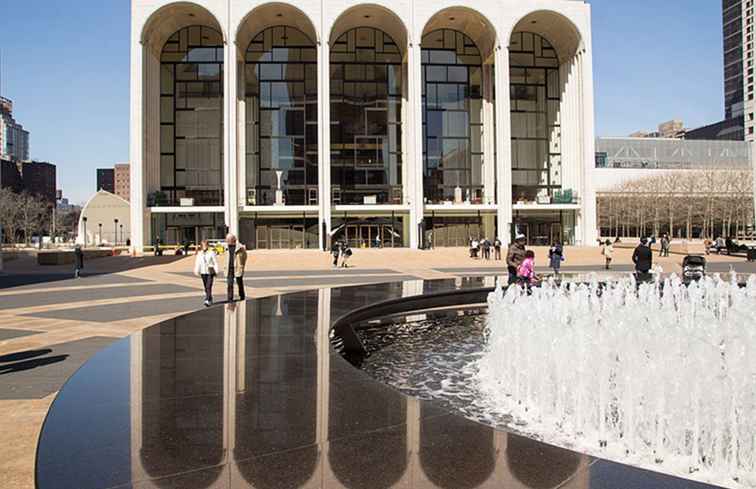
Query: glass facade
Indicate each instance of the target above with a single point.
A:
(370, 232)
(281, 95)
(174, 229)
(279, 233)
(366, 108)
(452, 104)
(544, 228)
(535, 94)
(191, 118)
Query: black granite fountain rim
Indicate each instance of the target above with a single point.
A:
(349, 342)
(351, 374)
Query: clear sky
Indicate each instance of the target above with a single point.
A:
(66, 68)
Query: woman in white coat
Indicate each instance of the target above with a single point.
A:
(206, 266)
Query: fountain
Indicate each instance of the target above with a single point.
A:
(660, 375)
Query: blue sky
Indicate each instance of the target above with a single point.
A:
(66, 67)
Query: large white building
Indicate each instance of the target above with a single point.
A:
(395, 121)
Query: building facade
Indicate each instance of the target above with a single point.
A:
(106, 180)
(122, 181)
(40, 178)
(14, 140)
(10, 176)
(391, 123)
(686, 188)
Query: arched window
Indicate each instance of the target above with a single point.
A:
(452, 117)
(535, 95)
(366, 108)
(191, 117)
(281, 118)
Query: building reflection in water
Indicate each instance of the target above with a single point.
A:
(250, 395)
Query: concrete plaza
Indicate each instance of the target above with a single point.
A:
(50, 324)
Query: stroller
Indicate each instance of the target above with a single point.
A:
(693, 267)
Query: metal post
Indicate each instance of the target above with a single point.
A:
(84, 220)
(99, 234)
(115, 231)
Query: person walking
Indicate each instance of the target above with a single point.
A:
(643, 258)
(346, 253)
(664, 245)
(158, 249)
(78, 261)
(486, 249)
(515, 257)
(206, 266)
(608, 252)
(336, 252)
(497, 249)
(556, 257)
(237, 261)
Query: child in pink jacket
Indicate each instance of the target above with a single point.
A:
(526, 271)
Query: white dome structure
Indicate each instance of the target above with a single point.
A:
(105, 219)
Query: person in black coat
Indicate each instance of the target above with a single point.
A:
(78, 261)
(642, 257)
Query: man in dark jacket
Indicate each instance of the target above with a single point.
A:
(643, 258)
(515, 256)
(78, 261)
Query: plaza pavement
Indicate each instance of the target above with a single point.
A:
(50, 324)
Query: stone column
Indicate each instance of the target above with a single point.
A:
(503, 144)
(230, 153)
(489, 136)
(136, 145)
(590, 225)
(415, 143)
(324, 144)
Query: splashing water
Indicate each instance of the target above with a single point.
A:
(660, 375)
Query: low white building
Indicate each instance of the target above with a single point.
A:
(627, 159)
(294, 123)
(105, 219)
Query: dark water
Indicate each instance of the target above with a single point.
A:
(432, 357)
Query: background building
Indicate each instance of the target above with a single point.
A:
(14, 140)
(686, 188)
(122, 181)
(104, 219)
(34, 177)
(10, 176)
(39, 178)
(106, 179)
(738, 35)
(296, 123)
(670, 129)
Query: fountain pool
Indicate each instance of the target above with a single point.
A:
(661, 376)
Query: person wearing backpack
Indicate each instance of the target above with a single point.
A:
(556, 257)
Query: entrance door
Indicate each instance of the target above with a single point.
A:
(188, 235)
(353, 236)
(556, 233)
(297, 237)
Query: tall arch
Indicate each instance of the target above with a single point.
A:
(273, 14)
(458, 152)
(278, 126)
(375, 16)
(549, 128)
(167, 20)
(468, 21)
(561, 32)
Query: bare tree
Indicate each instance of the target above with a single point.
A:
(32, 215)
(9, 212)
(698, 203)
